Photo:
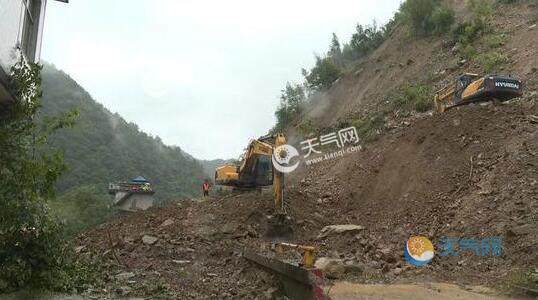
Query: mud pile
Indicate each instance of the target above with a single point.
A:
(469, 173)
(188, 250)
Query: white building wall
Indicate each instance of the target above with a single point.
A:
(11, 27)
(11, 17)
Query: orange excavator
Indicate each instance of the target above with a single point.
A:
(254, 171)
(470, 88)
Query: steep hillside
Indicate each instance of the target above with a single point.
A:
(103, 147)
(377, 81)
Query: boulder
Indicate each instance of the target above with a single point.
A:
(125, 275)
(339, 229)
(332, 268)
(167, 222)
(149, 240)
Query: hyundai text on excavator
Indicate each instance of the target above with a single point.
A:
(254, 171)
(470, 88)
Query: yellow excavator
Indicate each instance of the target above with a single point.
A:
(470, 88)
(254, 171)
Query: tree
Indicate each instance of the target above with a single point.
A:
(427, 16)
(32, 249)
(335, 52)
(292, 99)
(323, 74)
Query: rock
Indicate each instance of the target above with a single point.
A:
(339, 229)
(149, 240)
(167, 222)
(271, 293)
(123, 290)
(229, 228)
(387, 255)
(181, 262)
(353, 268)
(396, 271)
(125, 275)
(331, 268)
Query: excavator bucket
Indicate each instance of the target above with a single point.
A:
(279, 227)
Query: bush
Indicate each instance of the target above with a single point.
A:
(495, 40)
(322, 75)
(425, 17)
(363, 41)
(370, 126)
(417, 14)
(442, 20)
(468, 51)
(491, 61)
(81, 208)
(414, 97)
(469, 31)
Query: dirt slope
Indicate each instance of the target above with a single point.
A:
(406, 60)
(471, 172)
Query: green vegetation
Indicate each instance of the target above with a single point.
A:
(82, 207)
(369, 127)
(414, 98)
(323, 74)
(469, 31)
(306, 127)
(477, 40)
(495, 40)
(365, 40)
(425, 17)
(292, 100)
(33, 250)
(327, 70)
(102, 147)
(492, 61)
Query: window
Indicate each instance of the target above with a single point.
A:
(32, 9)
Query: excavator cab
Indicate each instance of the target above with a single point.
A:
(462, 82)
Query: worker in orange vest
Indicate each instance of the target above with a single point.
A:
(205, 188)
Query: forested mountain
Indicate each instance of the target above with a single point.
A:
(102, 147)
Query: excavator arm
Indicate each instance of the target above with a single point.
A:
(255, 166)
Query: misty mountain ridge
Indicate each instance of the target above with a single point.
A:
(102, 147)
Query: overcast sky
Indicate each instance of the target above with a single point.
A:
(203, 75)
